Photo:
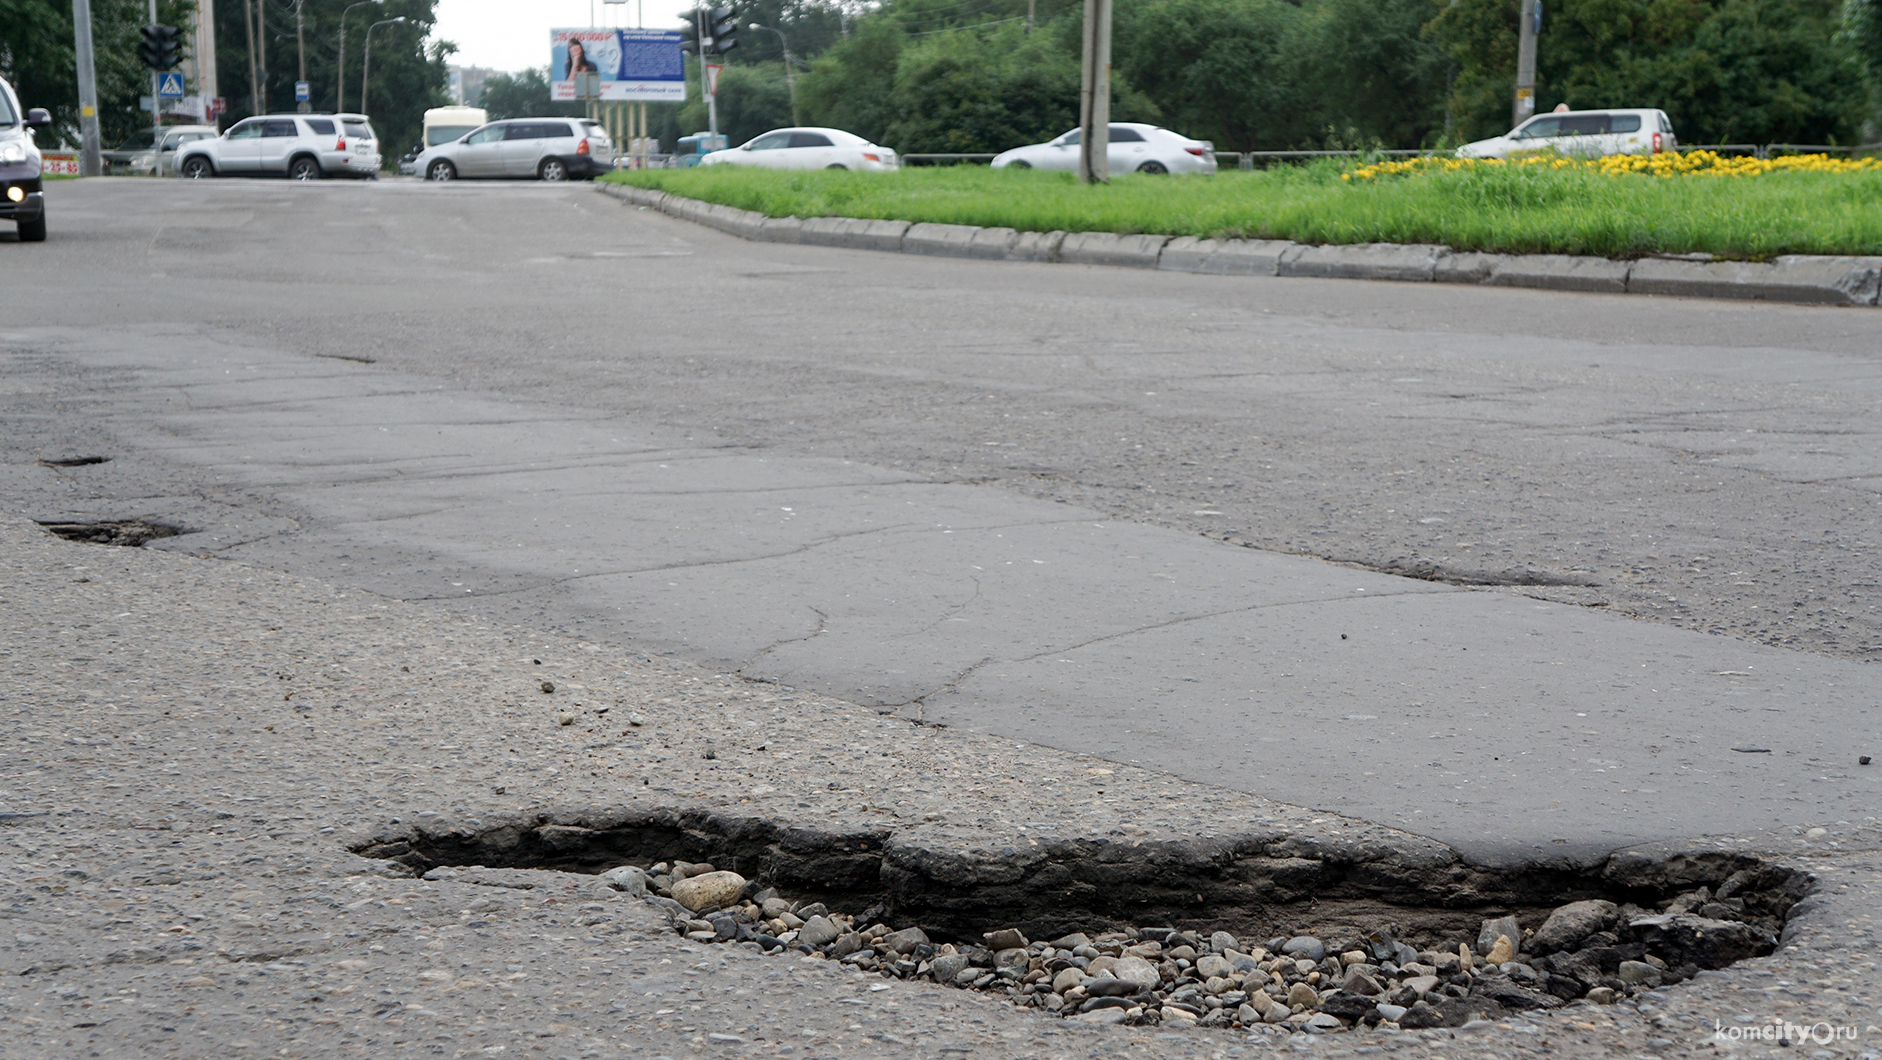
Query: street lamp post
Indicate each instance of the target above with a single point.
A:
(790, 79)
(366, 68)
(339, 81)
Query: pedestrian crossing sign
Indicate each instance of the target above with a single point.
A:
(170, 86)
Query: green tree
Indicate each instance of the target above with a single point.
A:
(1221, 70)
(964, 91)
(753, 98)
(38, 57)
(525, 95)
(1724, 70)
(1862, 34)
(407, 77)
(1370, 68)
(851, 86)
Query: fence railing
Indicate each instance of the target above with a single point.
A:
(1252, 159)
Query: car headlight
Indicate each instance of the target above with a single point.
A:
(12, 153)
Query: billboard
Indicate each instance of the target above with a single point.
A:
(632, 64)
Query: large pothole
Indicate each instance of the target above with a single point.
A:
(129, 533)
(1283, 932)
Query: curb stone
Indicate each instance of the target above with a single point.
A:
(1803, 278)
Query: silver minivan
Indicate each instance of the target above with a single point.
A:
(544, 148)
(1587, 133)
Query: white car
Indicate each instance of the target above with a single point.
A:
(1588, 133)
(144, 163)
(807, 148)
(1134, 148)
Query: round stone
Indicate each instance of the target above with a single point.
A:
(709, 890)
(818, 930)
(1305, 947)
(1137, 971)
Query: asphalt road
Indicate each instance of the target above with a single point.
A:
(1010, 497)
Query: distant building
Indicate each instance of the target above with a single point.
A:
(467, 83)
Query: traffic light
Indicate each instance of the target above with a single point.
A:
(689, 36)
(161, 49)
(722, 23)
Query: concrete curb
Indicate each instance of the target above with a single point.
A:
(1825, 280)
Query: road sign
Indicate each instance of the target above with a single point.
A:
(170, 86)
(217, 106)
(712, 77)
(301, 92)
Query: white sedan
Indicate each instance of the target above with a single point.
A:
(806, 148)
(1134, 148)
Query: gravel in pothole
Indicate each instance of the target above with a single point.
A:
(1590, 951)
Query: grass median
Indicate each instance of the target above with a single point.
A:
(1564, 207)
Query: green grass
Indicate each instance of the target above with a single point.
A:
(1501, 209)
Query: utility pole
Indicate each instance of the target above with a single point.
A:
(91, 159)
(705, 85)
(156, 106)
(1525, 104)
(254, 71)
(1094, 97)
(261, 44)
(300, 41)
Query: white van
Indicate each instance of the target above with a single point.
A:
(444, 124)
(1588, 133)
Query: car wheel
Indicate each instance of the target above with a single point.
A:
(553, 169)
(836, 165)
(33, 231)
(1153, 167)
(196, 167)
(441, 169)
(304, 168)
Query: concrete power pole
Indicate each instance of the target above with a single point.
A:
(1525, 105)
(1094, 97)
(91, 159)
(254, 75)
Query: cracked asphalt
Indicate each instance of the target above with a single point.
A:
(1135, 518)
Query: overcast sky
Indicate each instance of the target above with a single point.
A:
(513, 35)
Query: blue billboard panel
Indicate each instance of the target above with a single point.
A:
(630, 64)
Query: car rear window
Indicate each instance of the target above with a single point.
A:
(321, 126)
(1121, 135)
(358, 130)
(809, 140)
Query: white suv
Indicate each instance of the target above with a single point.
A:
(1589, 133)
(298, 146)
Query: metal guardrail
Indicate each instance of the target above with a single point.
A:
(943, 159)
(1249, 159)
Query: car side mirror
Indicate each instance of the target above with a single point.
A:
(38, 118)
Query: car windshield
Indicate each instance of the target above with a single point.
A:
(443, 134)
(7, 117)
